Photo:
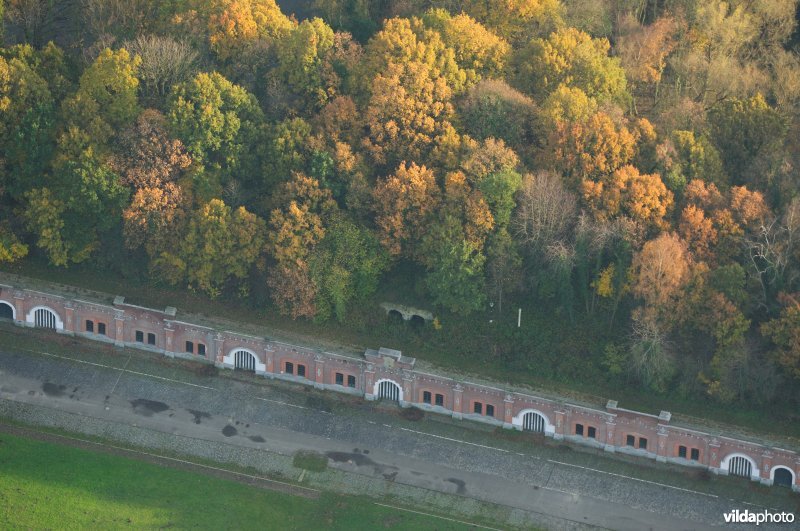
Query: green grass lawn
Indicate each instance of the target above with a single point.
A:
(50, 486)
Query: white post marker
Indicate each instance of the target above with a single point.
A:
(519, 318)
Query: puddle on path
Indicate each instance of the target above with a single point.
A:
(462, 487)
(229, 431)
(199, 415)
(51, 389)
(146, 408)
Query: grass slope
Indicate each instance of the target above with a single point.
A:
(49, 486)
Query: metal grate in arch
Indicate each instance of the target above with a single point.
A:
(533, 422)
(44, 318)
(244, 360)
(389, 390)
(739, 466)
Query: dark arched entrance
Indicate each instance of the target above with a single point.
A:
(6, 311)
(417, 322)
(783, 477)
(395, 317)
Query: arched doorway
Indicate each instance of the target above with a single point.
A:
(394, 317)
(534, 422)
(417, 322)
(44, 318)
(6, 310)
(782, 477)
(740, 466)
(389, 390)
(244, 360)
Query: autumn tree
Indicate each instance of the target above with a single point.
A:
(566, 105)
(11, 248)
(643, 51)
(403, 203)
(296, 226)
(305, 65)
(235, 26)
(660, 271)
(479, 53)
(153, 218)
(106, 100)
(146, 156)
(405, 41)
(590, 149)
(573, 58)
(642, 197)
(407, 111)
(516, 20)
(219, 247)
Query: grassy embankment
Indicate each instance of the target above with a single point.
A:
(49, 486)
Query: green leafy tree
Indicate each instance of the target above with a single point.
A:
(747, 133)
(85, 200)
(499, 190)
(27, 122)
(784, 332)
(492, 109)
(220, 246)
(11, 248)
(304, 64)
(218, 122)
(455, 268)
(345, 267)
(106, 100)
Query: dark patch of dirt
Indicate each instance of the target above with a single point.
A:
(199, 415)
(412, 414)
(462, 487)
(229, 431)
(206, 369)
(257, 438)
(51, 389)
(146, 407)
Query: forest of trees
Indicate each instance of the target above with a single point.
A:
(633, 161)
